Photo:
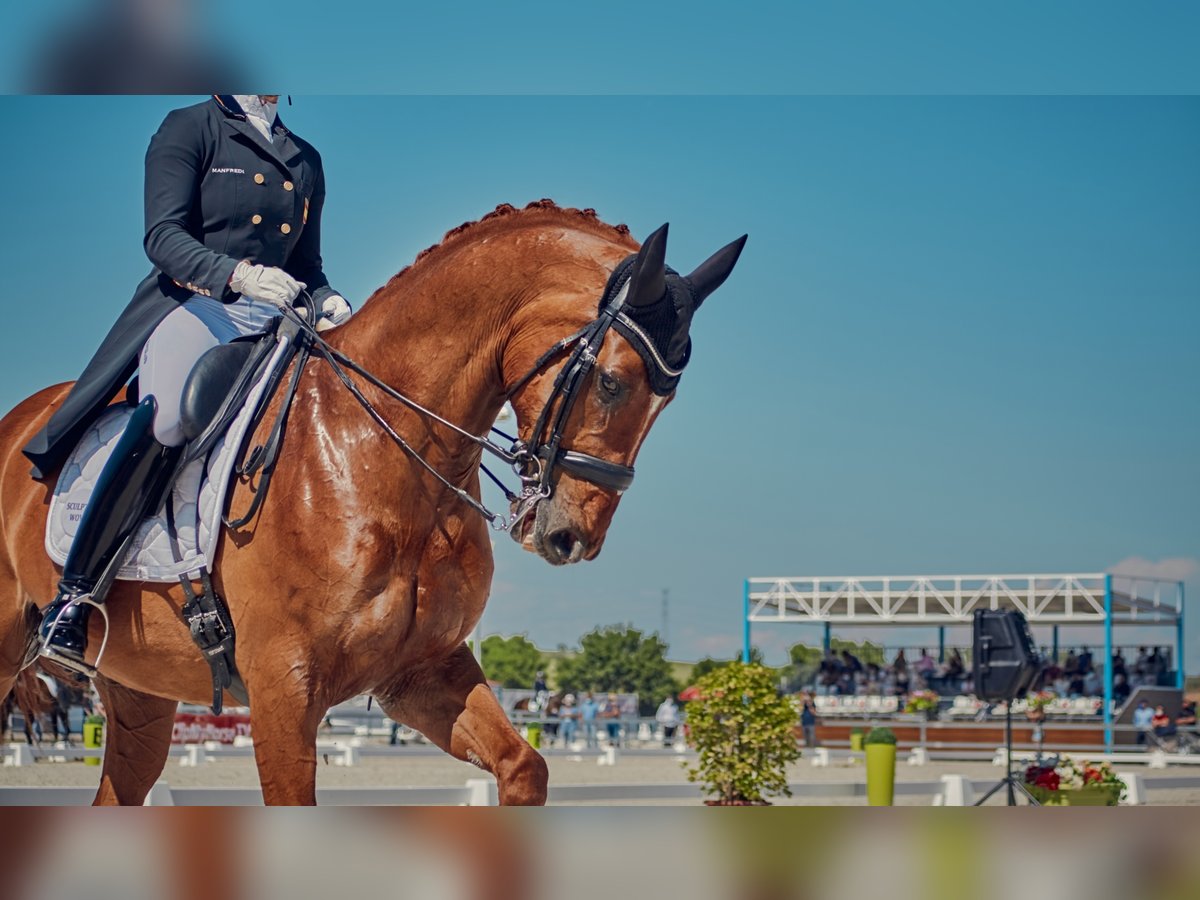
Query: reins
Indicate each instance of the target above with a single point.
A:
(532, 465)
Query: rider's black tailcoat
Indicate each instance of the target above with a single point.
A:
(216, 192)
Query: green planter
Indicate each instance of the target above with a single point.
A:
(856, 741)
(881, 774)
(533, 734)
(1092, 795)
(93, 738)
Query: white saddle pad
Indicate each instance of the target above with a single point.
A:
(198, 496)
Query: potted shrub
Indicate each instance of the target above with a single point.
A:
(744, 734)
(881, 766)
(1035, 711)
(1066, 782)
(856, 740)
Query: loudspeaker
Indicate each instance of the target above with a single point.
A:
(1005, 660)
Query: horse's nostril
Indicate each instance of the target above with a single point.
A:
(567, 545)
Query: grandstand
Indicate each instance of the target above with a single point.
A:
(1104, 600)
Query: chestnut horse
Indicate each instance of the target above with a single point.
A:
(363, 573)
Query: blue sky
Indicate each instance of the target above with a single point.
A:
(669, 46)
(962, 337)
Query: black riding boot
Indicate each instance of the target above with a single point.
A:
(132, 485)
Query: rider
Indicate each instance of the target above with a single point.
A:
(233, 227)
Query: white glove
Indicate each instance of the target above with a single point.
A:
(334, 311)
(266, 283)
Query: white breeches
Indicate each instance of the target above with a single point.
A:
(173, 348)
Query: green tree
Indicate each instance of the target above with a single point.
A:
(708, 664)
(514, 661)
(744, 733)
(621, 659)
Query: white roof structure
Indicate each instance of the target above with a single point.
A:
(940, 600)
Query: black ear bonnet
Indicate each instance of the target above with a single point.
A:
(657, 330)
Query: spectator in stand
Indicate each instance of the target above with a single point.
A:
(850, 662)
(610, 711)
(808, 720)
(568, 716)
(1161, 723)
(1118, 664)
(587, 715)
(900, 672)
(828, 674)
(1071, 666)
(668, 717)
(1158, 664)
(1092, 686)
(1187, 716)
(1141, 666)
(1120, 688)
(1085, 661)
(955, 667)
(874, 679)
(1061, 683)
(925, 665)
(1075, 685)
(1143, 716)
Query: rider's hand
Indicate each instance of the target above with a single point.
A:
(266, 283)
(334, 311)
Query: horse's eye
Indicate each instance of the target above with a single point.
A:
(609, 385)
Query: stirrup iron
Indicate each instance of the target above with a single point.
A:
(49, 651)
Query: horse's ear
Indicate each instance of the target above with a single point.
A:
(648, 281)
(711, 273)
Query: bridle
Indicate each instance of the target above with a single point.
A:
(535, 462)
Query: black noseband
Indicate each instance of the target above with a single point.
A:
(604, 474)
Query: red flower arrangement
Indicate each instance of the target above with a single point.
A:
(1065, 774)
(1042, 776)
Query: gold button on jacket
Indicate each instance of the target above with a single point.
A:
(258, 178)
(287, 185)
(285, 228)
(256, 219)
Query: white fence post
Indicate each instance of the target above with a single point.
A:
(19, 755)
(1135, 788)
(160, 795)
(482, 792)
(956, 791)
(194, 756)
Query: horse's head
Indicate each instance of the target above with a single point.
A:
(585, 413)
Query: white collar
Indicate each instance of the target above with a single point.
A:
(259, 114)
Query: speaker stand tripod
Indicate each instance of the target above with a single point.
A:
(1014, 785)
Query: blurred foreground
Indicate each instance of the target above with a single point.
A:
(758, 854)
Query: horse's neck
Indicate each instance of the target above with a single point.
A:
(442, 354)
(438, 333)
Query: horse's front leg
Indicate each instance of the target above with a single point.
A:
(450, 703)
(139, 730)
(284, 717)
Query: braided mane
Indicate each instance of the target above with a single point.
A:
(588, 217)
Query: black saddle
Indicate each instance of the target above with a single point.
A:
(217, 387)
